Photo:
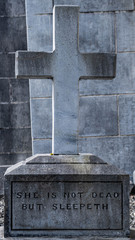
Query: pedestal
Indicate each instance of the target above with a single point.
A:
(66, 195)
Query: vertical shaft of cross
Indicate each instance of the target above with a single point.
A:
(65, 29)
(65, 84)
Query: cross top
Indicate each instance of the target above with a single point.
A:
(65, 29)
(65, 65)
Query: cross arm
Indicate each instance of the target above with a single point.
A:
(97, 65)
(33, 64)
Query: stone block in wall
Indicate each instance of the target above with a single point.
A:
(98, 116)
(7, 65)
(125, 22)
(98, 5)
(4, 90)
(12, 7)
(4, 115)
(42, 146)
(96, 32)
(124, 82)
(35, 7)
(127, 114)
(13, 32)
(14, 115)
(39, 38)
(15, 140)
(19, 90)
(40, 88)
(41, 118)
(119, 151)
(20, 115)
(13, 158)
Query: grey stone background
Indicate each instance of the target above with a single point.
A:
(107, 109)
(15, 131)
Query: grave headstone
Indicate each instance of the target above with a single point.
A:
(65, 195)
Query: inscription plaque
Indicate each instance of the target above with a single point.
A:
(66, 205)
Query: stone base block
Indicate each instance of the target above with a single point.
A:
(44, 238)
(66, 196)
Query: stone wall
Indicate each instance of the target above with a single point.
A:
(107, 109)
(15, 132)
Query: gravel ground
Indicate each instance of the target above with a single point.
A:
(1, 211)
(132, 211)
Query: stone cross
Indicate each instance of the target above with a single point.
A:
(65, 66)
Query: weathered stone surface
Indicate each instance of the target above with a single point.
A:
(14, 115)
(41, 38)
(14, 29)
(12, 37)
(37, 8)
(92, 26)
(6, 160)
(122, 83)
(99, 36)
(99, 5)
(41, 118)
(125, 31)
(42, 146)
(57, 65)
(13, 158)
(10, 143)
(98, 116)
(19, 90)
(119, 151)
(81, 187)
(42, 64)
(4, 115)
(65, 159)
(20, 115)
(127, 114)
(56, 238)
(96, 32)
(40, 88)
(7, 65)
(4, 90)
(12, 8)
(60, 206)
